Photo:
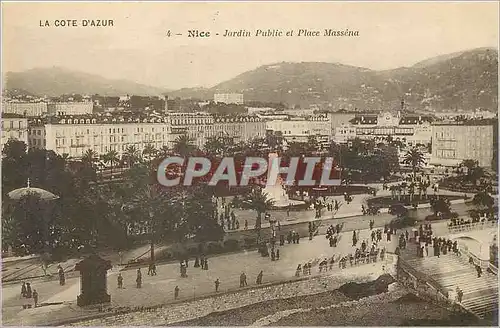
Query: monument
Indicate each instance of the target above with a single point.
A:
(275, 189)
(93, 280)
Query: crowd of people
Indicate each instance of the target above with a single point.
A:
(456, 222)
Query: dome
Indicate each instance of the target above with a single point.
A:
(21, 192)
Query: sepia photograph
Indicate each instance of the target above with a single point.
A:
(253, 163)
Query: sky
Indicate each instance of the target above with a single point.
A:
(137, 47)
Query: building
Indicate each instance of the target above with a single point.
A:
(197, 126)
(453, 142)
(229, 98)
(200, 126)
(240, 128)
(298, 129)
(70, 108)
(14, 126)
(410, 129)
(340, 119)
(74, 135)
(29, 109)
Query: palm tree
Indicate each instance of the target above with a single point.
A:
(184, 146)
(111, 157)
(219, 145)
(131, 155)
(259, 201)
(149, 152)
(415, 158)
(89, 158)
(151, 204)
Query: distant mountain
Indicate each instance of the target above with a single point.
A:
(56, 81)
(463, 80)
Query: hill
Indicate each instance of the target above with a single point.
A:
(56, 81)
(464, 80)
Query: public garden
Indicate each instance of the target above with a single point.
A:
(132, 223)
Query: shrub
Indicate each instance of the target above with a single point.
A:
(249, 242)
(231, 245)
(402, 222)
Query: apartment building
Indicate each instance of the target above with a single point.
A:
(74, 135)
(453, 142)
(14, 126)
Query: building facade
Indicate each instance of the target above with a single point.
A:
(70, 108)
(453, 142)
(410, 129)
(240, 128)
(197, 126)
(14, 126)
(29, 109)
(74, 135)
(229, 98)
(298, 129)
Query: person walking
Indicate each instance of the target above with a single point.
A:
(138, 280)
(28, 290)
(60, 271)
(120, 281)
(176, 292)
(35, 297)
(217, 284)
(243, 279)
(259, 278)
(23, 290)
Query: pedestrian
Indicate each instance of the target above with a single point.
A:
(217, 284)
(150, 269)
(196, 262)
(297, 271)
(23, 290)
(479, 271)
(243, 279)
(273, 255)
(138, 280)
(176, 292)
(153, 270)
(460, 295)
(28, 290)
(35, 297)
(206, 264)
(120, 281)
(279, 225)
(259, 278)
(60, 271)
(246, 225)
(277, 254)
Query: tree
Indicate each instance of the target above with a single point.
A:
(184, 146)
(219, 146)
(312, 143)
(89, 157)
(151, 204)
(415, 159)
(482, 200)
(441, 206)
(259, 201)
(111, 157)
(131, 155)
(149, 152)
(26, 225)
(15, 165)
